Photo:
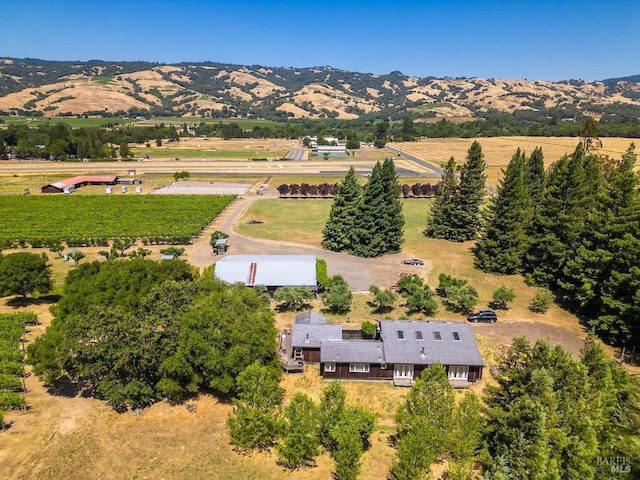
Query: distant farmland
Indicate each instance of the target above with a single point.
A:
(89, 216)
(499, 150)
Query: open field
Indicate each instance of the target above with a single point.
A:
(68, 216)
(499, 150)
(216, 148)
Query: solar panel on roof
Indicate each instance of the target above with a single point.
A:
(456, 336)
(418, 335)
(400, 334)
(437, 335)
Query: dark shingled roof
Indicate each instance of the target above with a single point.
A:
(311, 318)
(310, 336)
(418, 343)
(342, 351)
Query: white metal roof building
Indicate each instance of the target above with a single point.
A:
(271, 271)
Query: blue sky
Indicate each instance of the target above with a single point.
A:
(535, 39)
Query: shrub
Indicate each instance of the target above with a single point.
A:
(542, 300)
(501, 297)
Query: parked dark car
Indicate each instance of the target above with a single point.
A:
(413, 261)
(483, 316)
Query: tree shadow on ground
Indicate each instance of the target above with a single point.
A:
(22, 302)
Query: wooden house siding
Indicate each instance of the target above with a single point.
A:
(311, 355)
(376, 372)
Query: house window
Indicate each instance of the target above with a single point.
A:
(330, 367)
(456, 336)
(403, 371)
(418, 335)
(400, 335)
(458, 372)
(437, 336)
(359, 368)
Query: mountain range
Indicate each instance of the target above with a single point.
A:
(62, 88)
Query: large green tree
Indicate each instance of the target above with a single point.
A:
(455, 214)
(300, 443)
(368, 233)
(255, 421)
(469, 194)
(549, 412)
(423, 424)
(24, 273)
(136, 331)
(501, 248)
(392, 209)
(336, 235)
(439, 223)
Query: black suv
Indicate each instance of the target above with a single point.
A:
(413, 261)
(483, 316)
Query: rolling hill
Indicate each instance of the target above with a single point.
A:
(52, 88)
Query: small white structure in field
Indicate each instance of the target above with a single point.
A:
(124, 189)
(138, 189)
(109, 190)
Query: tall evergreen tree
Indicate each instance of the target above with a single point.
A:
(571, 194)
(469, 194)
(439, 223)
(535, 176)
(394, 219)
(368, 234)
(618, 290)
(501, 248)
(540, 414)
(337, 231)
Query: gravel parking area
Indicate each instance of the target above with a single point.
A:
(204, 188)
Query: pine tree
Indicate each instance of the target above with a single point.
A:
(469, 195)
(572, 192)
(508, 217)
(439, 223)
(619, 300)
(535, 176)
(392, 205)
(338, 229)
(368, 234)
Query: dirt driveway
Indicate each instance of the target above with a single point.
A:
(359, 273)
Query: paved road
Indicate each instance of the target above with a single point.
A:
(296, 155)
(437, 171)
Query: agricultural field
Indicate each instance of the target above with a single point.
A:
(12, 329)
(72, 217)
(499, 150)
(216, 148)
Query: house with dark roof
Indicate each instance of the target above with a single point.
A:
(401, 351)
